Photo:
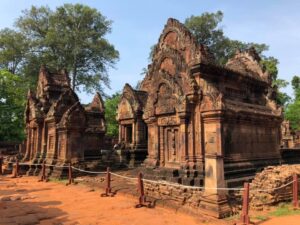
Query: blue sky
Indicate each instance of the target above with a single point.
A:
(137, 25)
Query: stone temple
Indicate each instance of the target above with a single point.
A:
(198, 123)
(59, 129)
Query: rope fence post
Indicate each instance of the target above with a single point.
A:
(295, 191)
(15, 171)
(43, 177)
(142, 197)
(245, 219)
(1, 162)
(108, 186)
(70, 174)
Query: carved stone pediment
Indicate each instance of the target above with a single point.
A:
(65, 100)
(97, 104)
(247, 63)
(73, 117)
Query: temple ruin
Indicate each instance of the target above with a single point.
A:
(203, 124)
(59, 129)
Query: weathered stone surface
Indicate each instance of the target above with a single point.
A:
(203, 124)
(265, 188)
(289, 138)
(58, 128)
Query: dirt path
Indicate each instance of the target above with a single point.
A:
(26, 201)
(286, 220)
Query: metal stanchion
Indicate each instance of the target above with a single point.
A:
(108, 186)
(295, 191)
(245, 219)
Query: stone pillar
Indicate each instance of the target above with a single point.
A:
(153, 143)
(184, 120)
(120, 133)
(28, 143)
(215, 201)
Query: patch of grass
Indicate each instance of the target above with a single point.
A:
(261, 217)
(284, 209)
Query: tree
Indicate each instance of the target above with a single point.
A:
(12, 105)
(70, 37)
(13, 49)
(292, 112)
(111, 105)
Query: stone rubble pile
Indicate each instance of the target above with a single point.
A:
(265, 188)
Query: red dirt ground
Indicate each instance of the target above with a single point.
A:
(26, 201)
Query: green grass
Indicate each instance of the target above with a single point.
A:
(284, 209)
(261, 217)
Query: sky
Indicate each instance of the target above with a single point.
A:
(137, 25)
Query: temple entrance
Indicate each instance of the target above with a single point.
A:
(128, 129)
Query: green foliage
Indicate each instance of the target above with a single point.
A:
(111, 105)
(207, 30)
(292, 112)
(284, 209)
(12, 102)
(71, 37)
(13, 49)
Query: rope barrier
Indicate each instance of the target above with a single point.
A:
(86, 171)
(124, 177)
(273, 189)
(164, 182)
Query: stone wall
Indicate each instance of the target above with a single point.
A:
(192, 201)
(269, 182)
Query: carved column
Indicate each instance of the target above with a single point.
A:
(184, 119)
(28, 144)
(153, 143)
(216, 200)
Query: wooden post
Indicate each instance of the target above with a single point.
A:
(70, 174)
(142, 197)
(1, 162)
(295, 191)
(15, 171)
(43, 177)
(245, 220)
(17, 168)
(108, 186)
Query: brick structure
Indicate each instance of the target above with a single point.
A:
(58, 128)
(206, 125)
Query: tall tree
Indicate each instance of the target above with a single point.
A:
(13, 50)
(71, 37)
(12, 103)
(292, 112)
(111, 105)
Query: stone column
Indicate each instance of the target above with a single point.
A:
(153, 143)
(215, 201)
(183, 142)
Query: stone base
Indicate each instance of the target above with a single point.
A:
(238, 172)
(137, 157)
(180, 176)
(215, 205)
